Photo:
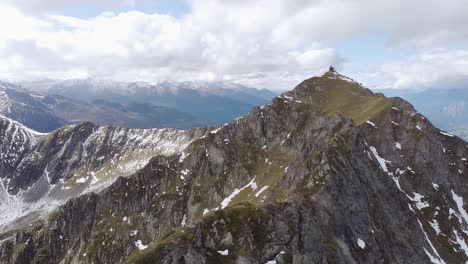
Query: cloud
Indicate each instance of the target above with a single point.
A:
(138, 46)
(416, 23)
(441, 68)
(39, 7)
(273, 44)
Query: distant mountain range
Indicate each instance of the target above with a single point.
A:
(29, 108)
(216, 102)
(135, 105)
(46, 105)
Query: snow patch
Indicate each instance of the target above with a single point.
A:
(434, 259)
(461, 242)
(215, 131)
(82, 180)
(140, 245)
(184, 220)
(459, 201)
(223, 252)
(435, 226)
(274, 260)
(446, 134)
(261, 190)
(371, 123)
(183, 156)
(382, 162)
(420, 204)
(236, 191)
(361, 243)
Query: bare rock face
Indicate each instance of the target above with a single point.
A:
(41, 171)
(17, 141)
(91, 151)
(326, 173)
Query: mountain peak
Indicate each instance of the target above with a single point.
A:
(333, 74)
(333, 92)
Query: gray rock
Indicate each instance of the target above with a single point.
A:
(305, 179)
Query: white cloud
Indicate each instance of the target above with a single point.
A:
(441, 68)
(138, 46)
(273, 44)
(38, 7)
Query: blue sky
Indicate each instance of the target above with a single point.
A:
(172, 7)
(272, 44)
(366, 50)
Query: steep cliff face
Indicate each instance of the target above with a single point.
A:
(17, 141)
(326, 173)
(426, 164)
(41, 171)
(85, 152)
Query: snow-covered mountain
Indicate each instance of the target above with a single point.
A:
(41, 171)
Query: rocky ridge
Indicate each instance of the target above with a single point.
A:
(41, 171)
(326, 173)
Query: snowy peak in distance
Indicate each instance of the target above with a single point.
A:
(206, 86)
(46, 112)
(92, 83)
(215, 102)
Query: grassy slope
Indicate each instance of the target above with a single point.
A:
(333, 94)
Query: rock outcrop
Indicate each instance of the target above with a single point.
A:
(326, 173)
(41, 171)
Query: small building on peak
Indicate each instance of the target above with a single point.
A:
(331, 69)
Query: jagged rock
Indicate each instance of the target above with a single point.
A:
(326, 173)
(41, 171)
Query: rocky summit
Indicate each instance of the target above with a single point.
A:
(326, 173)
